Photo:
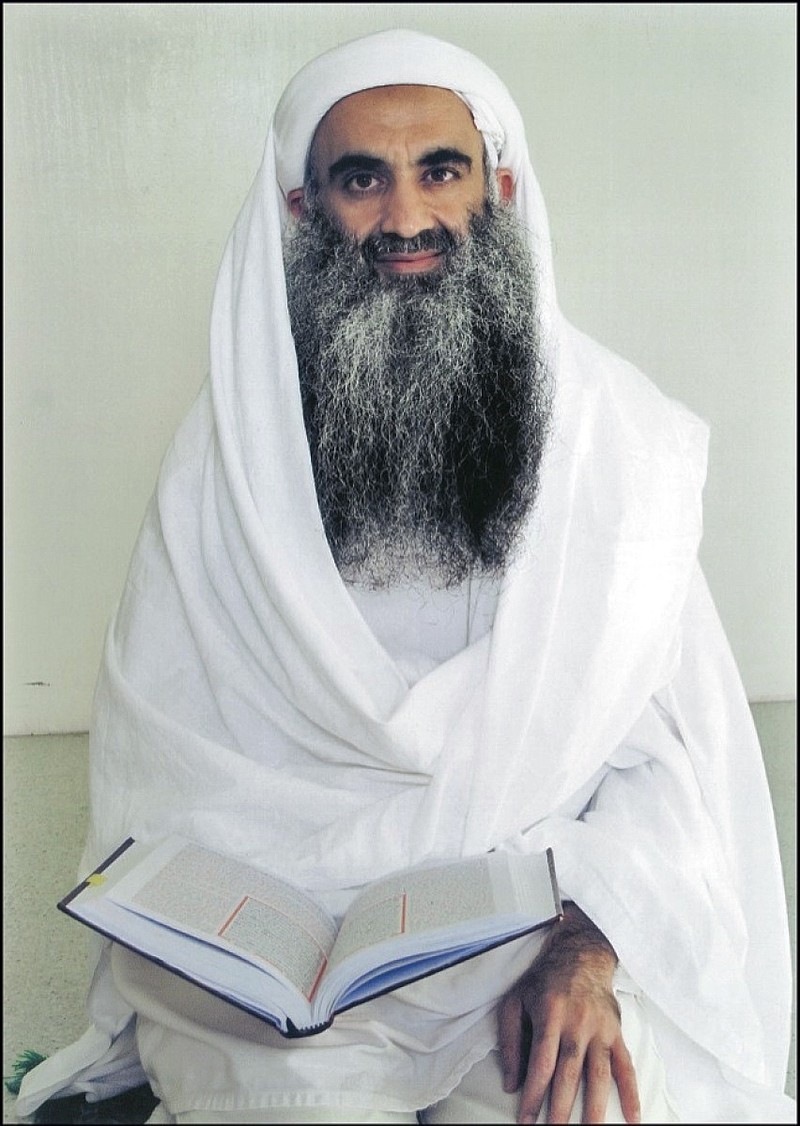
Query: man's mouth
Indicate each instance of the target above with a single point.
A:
(416, 262)
(393, 256)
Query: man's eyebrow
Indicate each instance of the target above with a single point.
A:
(356, 162)
(445, 156)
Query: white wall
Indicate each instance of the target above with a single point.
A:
(664, 139)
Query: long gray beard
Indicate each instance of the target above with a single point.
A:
(426, 399)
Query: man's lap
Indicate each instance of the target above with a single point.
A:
(479, 1097)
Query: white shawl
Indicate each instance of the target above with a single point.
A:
(244, 701)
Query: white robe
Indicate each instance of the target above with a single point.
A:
(245, 701)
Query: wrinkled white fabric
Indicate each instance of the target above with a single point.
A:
(479, 1097)
(245, 701)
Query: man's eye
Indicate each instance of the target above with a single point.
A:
(360, 182)
(442, 175)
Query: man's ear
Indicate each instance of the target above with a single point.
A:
(505, 183)
(296, 200)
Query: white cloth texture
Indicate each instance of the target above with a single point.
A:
(164, 1001)
(298, 1114)
(245, 701)
(480, 1097)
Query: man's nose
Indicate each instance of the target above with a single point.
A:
(405, 211)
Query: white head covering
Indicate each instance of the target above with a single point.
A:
(244, 701)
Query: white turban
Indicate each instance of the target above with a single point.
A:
(243, 700)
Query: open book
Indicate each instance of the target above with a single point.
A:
(267, 946)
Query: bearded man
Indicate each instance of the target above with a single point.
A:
(419, 581)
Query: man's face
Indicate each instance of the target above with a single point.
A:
(397, 161)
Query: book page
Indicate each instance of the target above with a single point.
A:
(416, 901)
(257, 915)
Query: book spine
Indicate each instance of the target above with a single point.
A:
(294, 1033)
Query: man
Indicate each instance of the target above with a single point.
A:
(420, 580)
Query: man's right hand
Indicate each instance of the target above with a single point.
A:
(560, 1025)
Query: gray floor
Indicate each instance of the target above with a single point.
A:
(44, 799)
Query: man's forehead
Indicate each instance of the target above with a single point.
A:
(430, 113)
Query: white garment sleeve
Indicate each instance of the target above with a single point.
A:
(675, 858)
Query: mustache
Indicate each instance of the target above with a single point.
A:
(438, 240)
